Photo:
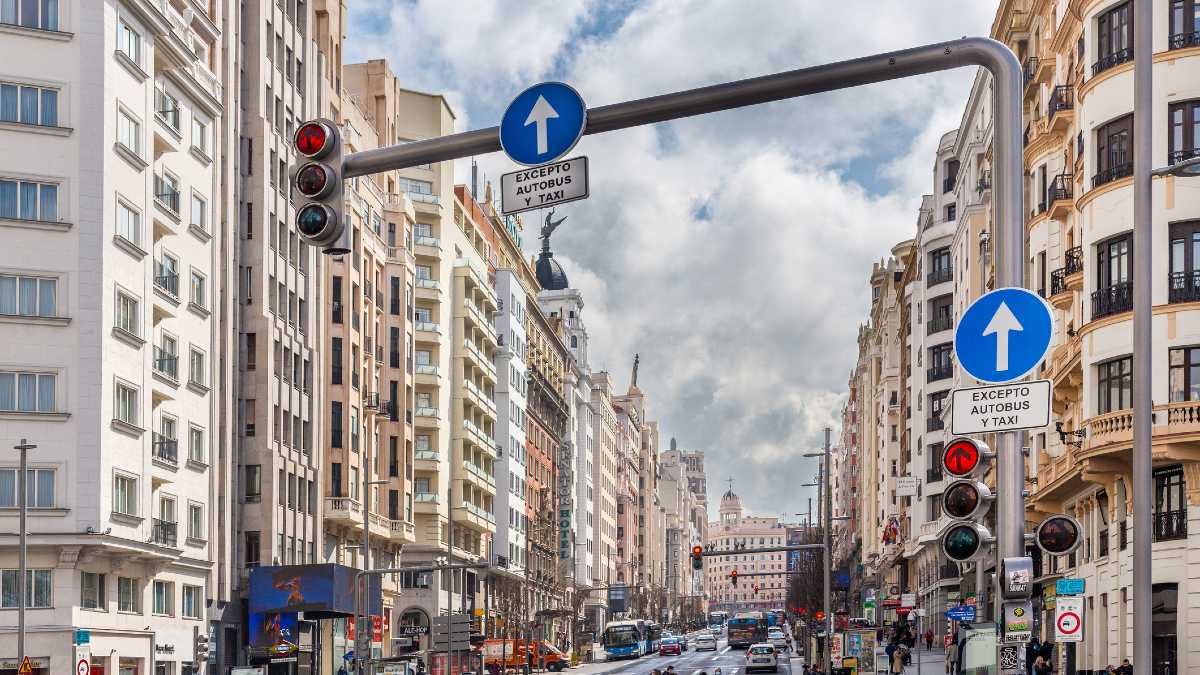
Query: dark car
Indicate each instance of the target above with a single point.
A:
(670, 646)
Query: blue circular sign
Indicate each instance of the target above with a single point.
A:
(1004, 335)
(542, 123)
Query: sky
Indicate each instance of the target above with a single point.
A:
(732, 251)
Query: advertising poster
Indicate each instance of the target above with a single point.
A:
(273, 633)
(322, 591)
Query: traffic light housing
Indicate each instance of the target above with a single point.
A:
(820, 615)
(697, 557)
(1059, 535)
(756, 589)
(317, 185)
(733, 577)
(199, 646)
(966, 499)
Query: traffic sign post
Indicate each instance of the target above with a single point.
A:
(541, 186)
(1068, 619)
(542, 123)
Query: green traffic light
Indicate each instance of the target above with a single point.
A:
(961, 543)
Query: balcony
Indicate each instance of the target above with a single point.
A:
(1060, 194)
(984, 183)
(934, 424)
(1029, 70)
(1114, 299)
(1060, 109)
(1184, 40)
(934, 475)
(939, 275)
(1058, 289)
(1170, 525)
(1112, 173)
(370, 402)
(1184, 286)
(939, 372)
(164, 532)
(938, 324)
(166, 363)
(428, 289)
(166, 280)
(1114, 59)
(1074, 258)
(427, 247)
(166, 450)
(1183, 155)
(166, 195)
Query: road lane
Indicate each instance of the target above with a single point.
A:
(729, 661)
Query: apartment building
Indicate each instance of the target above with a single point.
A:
(113, 222)
(1078, 63)
(735, 529)
(605, 467)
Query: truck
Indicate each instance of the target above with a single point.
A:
(513, 654)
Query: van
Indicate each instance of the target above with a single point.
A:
(512, 654)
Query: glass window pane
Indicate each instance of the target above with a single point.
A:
(26, 392)
(29, 198)
(49, 108)
(29, 105)
(46, 393)
(47, 297)
(8, 101)
(28, 296)
(45, 489)
(8, 488)
(29, 13)
(8, 295)
(50, 14)
(8, 391)
(8, 11)
(48, 204)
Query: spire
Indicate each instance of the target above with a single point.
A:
(637, 358)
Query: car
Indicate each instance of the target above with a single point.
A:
(670, 646)
(683, 643)
(779, 640)
(704, 641)
(762, 656)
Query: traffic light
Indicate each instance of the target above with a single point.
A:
(697, 557)
(1058, 535)
(966, 500)
(199, 646)
(317, 184)
(756, 589)
(733, 577)
(820, 615)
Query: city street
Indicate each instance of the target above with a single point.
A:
(692, 662)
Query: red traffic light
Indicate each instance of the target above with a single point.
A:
(803, 611)
(313, 139)
(697, 551)
(820, 615)
(962, 457)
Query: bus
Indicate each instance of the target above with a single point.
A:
(717, 618)
(776, 618)
(653, 635)
(747, 628)
(623, 640)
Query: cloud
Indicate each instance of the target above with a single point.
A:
(732, 250)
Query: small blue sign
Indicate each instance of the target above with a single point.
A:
(1003, 335)
(1069, 587)
(83, 636)
(961, 613)
(542, 123)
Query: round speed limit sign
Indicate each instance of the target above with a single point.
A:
(1068, 623)
(83, 667)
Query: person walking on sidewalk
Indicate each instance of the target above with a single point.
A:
(928, 639)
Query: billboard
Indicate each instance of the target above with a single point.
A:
(273, 633)
(320, 591)
(616, 599)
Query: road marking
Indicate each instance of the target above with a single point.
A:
(727, 648)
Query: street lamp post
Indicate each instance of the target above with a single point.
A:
(23, 551)
(824, 506)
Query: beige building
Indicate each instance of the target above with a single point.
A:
(733, 530)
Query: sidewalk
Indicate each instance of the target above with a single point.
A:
(927, 662)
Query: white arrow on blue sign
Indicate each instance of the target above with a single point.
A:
(542, 123)
(1004, 335)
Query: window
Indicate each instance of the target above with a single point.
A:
(126, 315)
(166, 108)
(129, 42)
(1114, 385)
(199, 286)
(28, 295)
(418, 187)
(91, 591)
(192, 601)
(27, 392)
(39, 488)
(38, 584)
(199, 212)
(1183, 133)
(195, 521)
(336, 362)
(129, 595)
(125, 407)
(1114, 151)
(335, 426)
(1114, 31)
(129, 223)
(936, 403)
(166, 191)
(940, 363)
(939, 266)
(28, 200)
(125, 498)
(164, 598)
(1170, 505)
(196, 450)
(253, 491)
(1114, 267)
(941, 313)
(1185, 24)
(129, 132)
(27, 104)
(200, 135)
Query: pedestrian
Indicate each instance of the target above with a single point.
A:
(1126, 668)
(928, 639)
(951, 655)
(1041, 666)
(898, 660)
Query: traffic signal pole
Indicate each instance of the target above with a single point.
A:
(1007, 165)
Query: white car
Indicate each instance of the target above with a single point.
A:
(705, 641)
(762, 656)
(779, 640)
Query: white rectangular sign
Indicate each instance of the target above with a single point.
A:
(546, 185)
(1000, 407)
(908, 599)
(906, 486)
(1068, 618)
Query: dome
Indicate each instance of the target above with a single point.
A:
(550, 274)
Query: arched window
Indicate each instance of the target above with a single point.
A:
(574, 341)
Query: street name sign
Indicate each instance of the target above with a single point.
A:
(961, 613)
(542, 123)
(541, 186)
(906, 486)
(1004, 335)
(1000, 407)
(1068, 587)
(1068, 618)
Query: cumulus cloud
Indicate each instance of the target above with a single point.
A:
(732, 251)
